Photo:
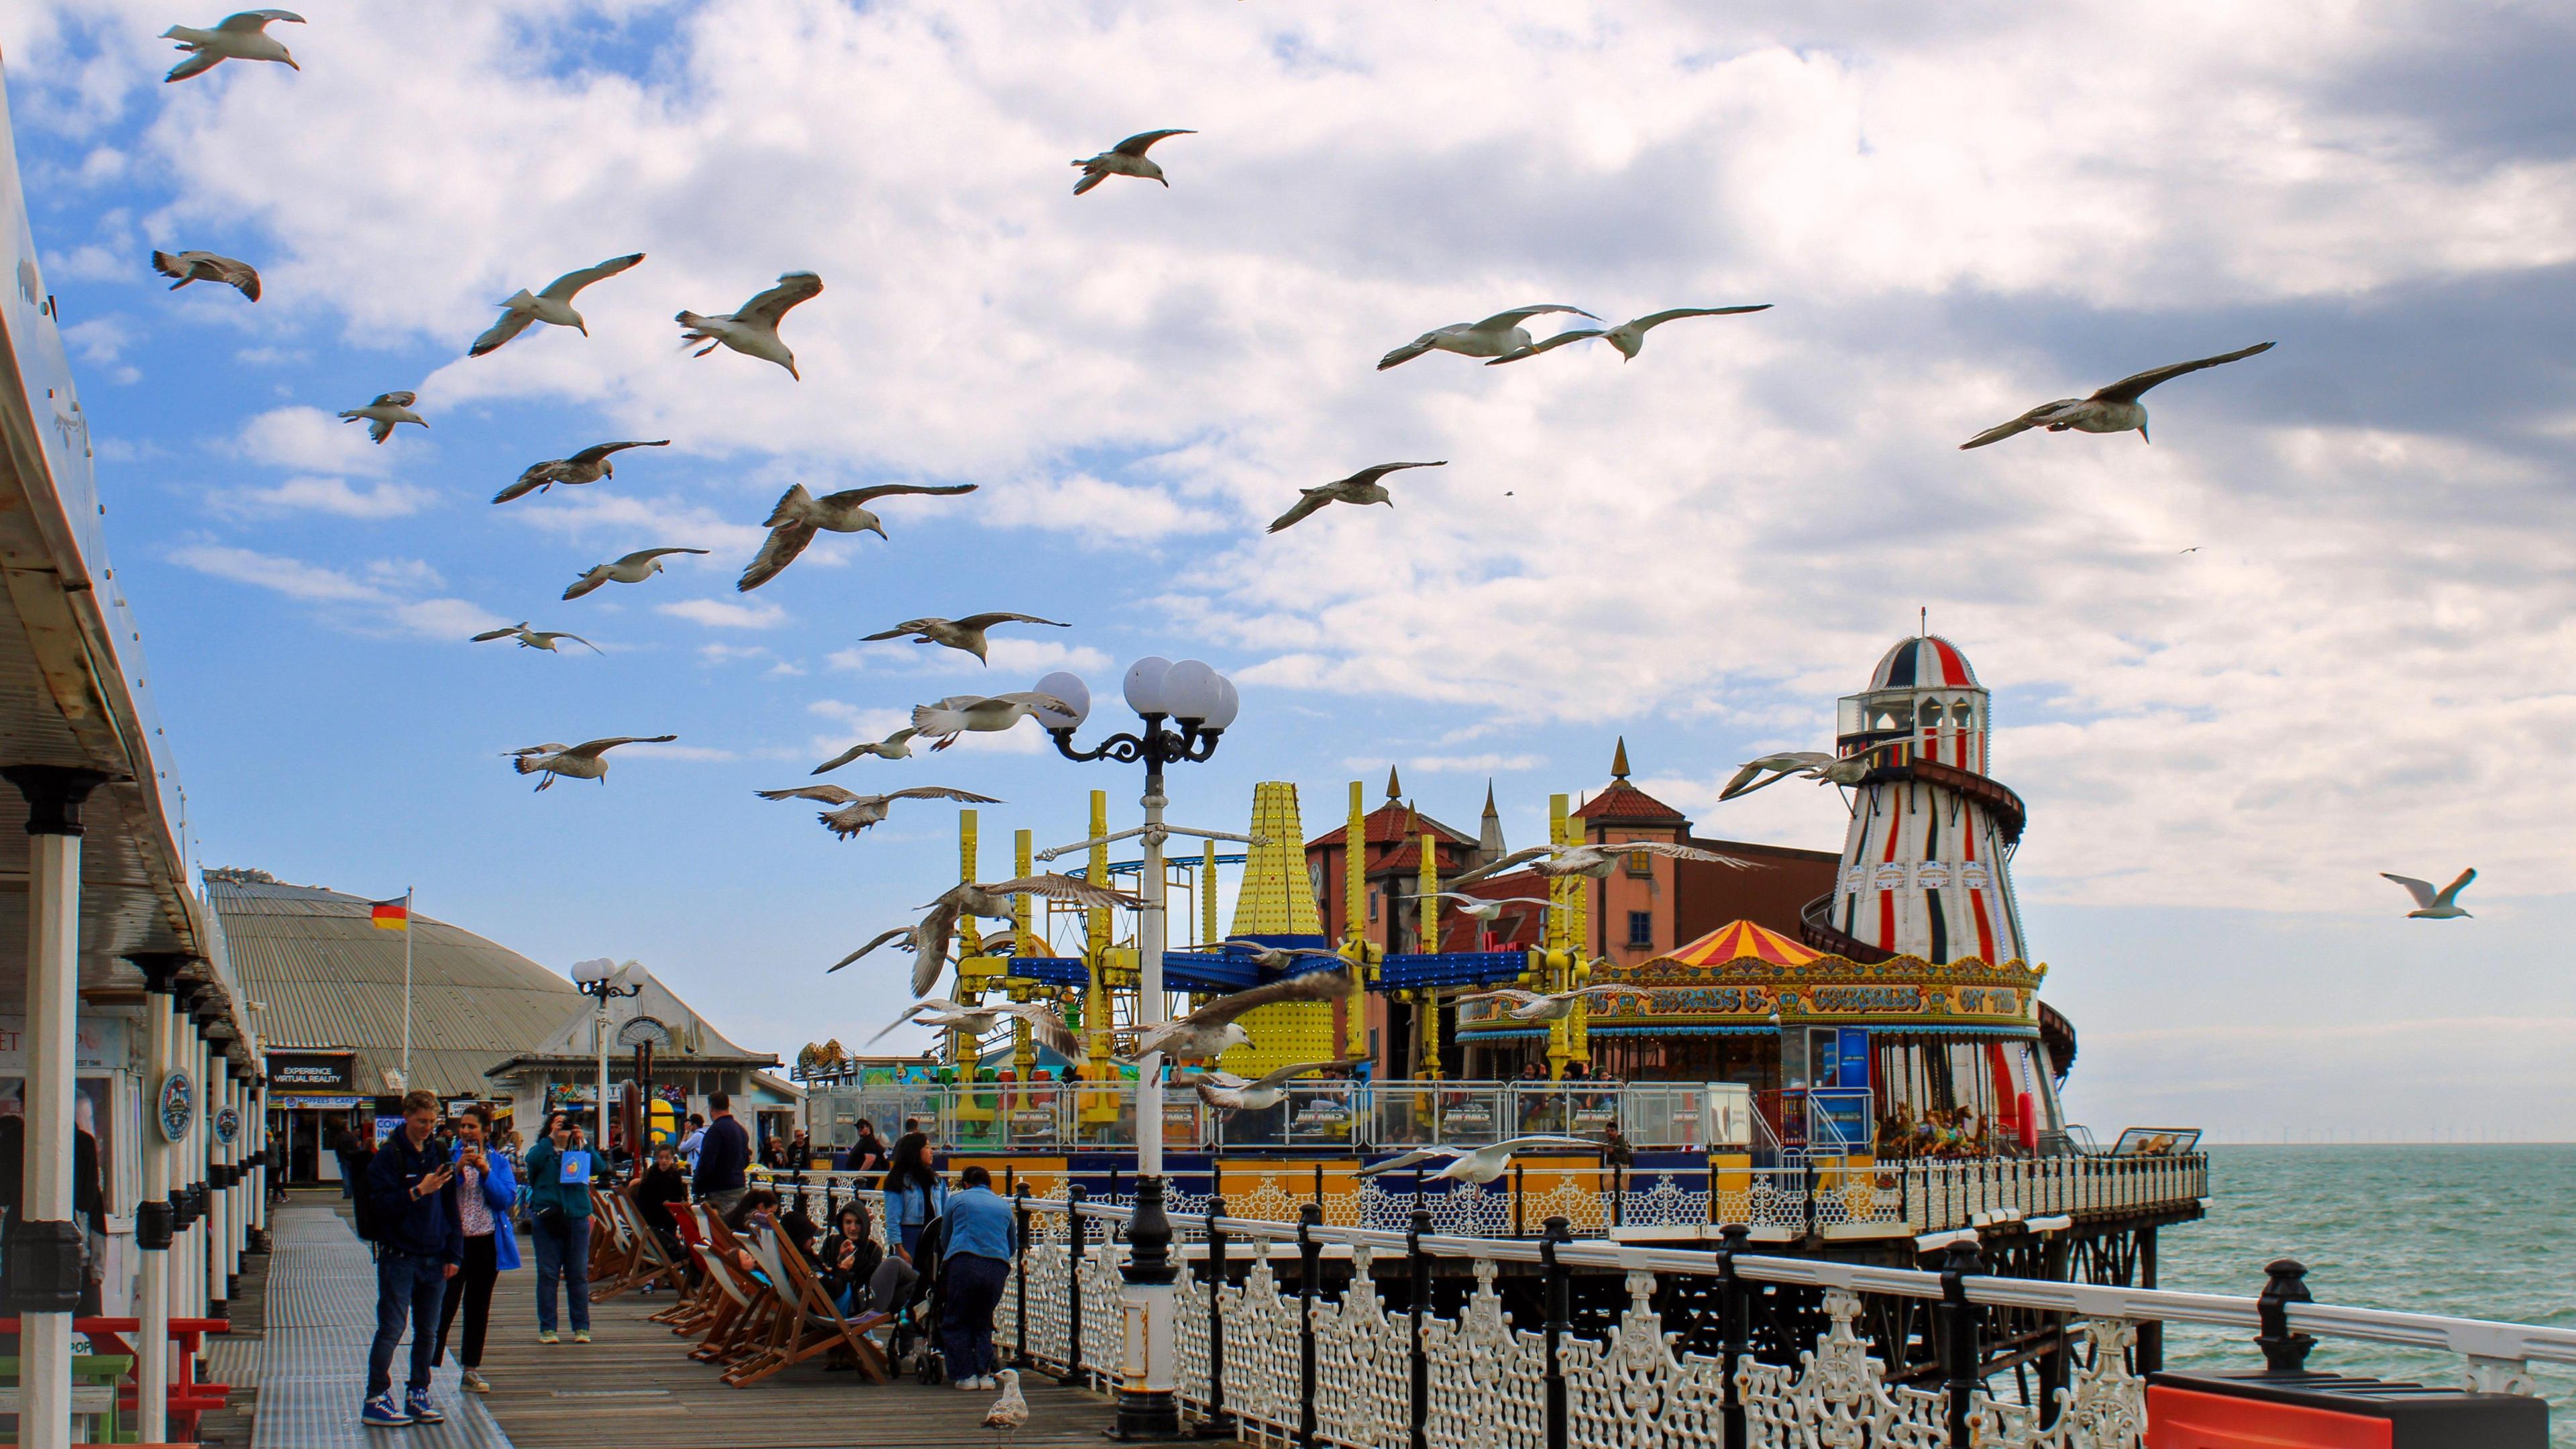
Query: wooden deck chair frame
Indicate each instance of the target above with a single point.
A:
(742, 1314)
(641, 1258)
(694, 1300)
(811, 1324)
(776, 1315)
(712, 1302)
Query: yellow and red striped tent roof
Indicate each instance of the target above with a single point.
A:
(1739, 940)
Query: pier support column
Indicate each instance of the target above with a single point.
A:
(153, 1215)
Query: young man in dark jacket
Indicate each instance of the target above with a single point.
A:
(410, 1199)
(724, 1154)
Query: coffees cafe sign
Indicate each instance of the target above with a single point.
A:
(315, 1074)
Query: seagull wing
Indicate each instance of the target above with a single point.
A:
(1287, 1074)
(1518, 315)
(1371, 475)
(908, 626)
(1516, 858)
(1743, 783)
(936, 792)
(843, 758)
(490, 634)
(596, 451)
(562, 288)
(592, 579)
(1658, 319)
(394, 400)
(1510, 1145)
(1312, 986)
(777, 551)
(1310, 501)
(2022, 424)
(1046, 1026)
(897, 933)
(250, 21)
(930, 941)
(1139, 143)
(537, 476)
(1681, 852)
(909, 1012)
(576, 638)
(1064, 888)
(1408, 351)
(822, 794)
(1035, 700)
(1512, 994)
(2127, 389)
(509, 324)
(987, 621)
(2450, 893)
(793, 287)
(2421, 890)
(1572, 334)
(238, 275)
(593, 749)
(889, 490)
(647, 555)
(1419, 1154)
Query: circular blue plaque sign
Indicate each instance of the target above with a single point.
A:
(178, 1110)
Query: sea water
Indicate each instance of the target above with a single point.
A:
(2470, 1231)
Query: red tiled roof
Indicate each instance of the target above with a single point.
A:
(1623, 802)
(1406, 859)
(1390, 822)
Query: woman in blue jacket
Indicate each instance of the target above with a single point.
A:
(914, 1195)
(482, 1193)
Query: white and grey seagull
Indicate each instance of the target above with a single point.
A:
(381, 415)
(799, 515)
(1362, 488)
(1481, 1166)
(1545, 1005)
(1629, 336)
(1212, 1029)
(587, 466)
(585, 761)
(1497, 336)
(896, 746)
(1045, 1025)
(207, 267)
(980, 714)
(1816, 765)
(1486, 909)
(534, 638)
(1550, 862)
(1127, 158)
(966, 634)
(858, 811)
(241, 36)
(551, 304)
(1229, 1093)
(753, 330)
(1270, 958)
(928, 939)
(2430, 904)
(2114, 409)
(633, 568)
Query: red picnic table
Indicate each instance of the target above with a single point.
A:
(189, 1395)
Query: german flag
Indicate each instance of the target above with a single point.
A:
(392, 915)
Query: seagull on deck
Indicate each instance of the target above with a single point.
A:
(207, 267)
(1047, 1027)
(535, 638)
(980, 714)
(1816, 765)
(242, 36)
(753, 331)
(1629, 336)
(634, 568)
(1480, 1166)
(585, 761)
(380, 416)
(2114, 409)
(966, 634)
(1229, 1093)
(1127, 158)
(587, 466)
(858, 811)
(1362, 488)
(551, 304)
(2430, 904)
(799, 515)
(928, 939)
(896, 746)
(1211, 1031)
(1543, 1006)
(1010, 1411)
(1550, 862)
(1483, 908)
(1497, 336)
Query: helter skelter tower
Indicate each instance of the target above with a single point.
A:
(1926, 863)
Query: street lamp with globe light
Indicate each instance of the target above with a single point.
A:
(600, 980)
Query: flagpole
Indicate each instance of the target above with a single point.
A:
(406, 1040)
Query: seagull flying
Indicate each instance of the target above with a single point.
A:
(2430, 904)
(534, 638)
(1815, 765)
(1047, 1027)
(753, 331)
(896, 746)
(1483, 908)
(585, 761)
(1497, 336)
(1127, 158)
(1272, 958)
(1208, 1032)
(800, 515)
(928, 939)
(553, 304)
(1629, 336)
(207, 267)
(1542, 1006)
(1361, 488)
(858, 811)
(980, 714)
(966, 633)
(1229, 1093)
(634, 568)
(2114, 409)
(1480, 1166)
(388, 409)
(1550, 862)
(243, 36)
(587, 466)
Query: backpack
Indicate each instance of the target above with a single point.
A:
(370, 1223)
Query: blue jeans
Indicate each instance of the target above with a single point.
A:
(566, 1259)
(409, 1289)
(971, 1288)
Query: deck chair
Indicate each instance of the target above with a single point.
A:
(695, 1300)
(809, 1323)
(729, 1335)
(769, 1314)
(640, 1256)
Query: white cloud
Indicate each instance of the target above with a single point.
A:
(1448, 764)
(311, 440)
(391, 596)
(100, 340)
(334, 496)
(725, 613)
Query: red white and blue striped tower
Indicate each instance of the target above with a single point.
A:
(1926, 864)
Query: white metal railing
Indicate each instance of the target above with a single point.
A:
(1242, 1342)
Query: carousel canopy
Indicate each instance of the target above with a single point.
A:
(1741, 940)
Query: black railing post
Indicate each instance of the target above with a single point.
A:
(2151, 1333)
(2284, 1352)
(1734, 1327)
(1618, 1195)
(1421, 1266)
(1310, 1273)
(1020, 1267)
(1073, 1237)
(1219, 1425)
(1520, 1222)
(1962, 1354)
(1559, 1319)
(1811, 1198)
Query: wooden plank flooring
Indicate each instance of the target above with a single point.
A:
(635, 1386)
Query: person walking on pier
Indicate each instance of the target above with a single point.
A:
(560, 1168)
(974, 1264)
(913, 1193)
(724, 1156)
(486, 1189)
(407, 1208)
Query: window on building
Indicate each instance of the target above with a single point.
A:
(1373, 895)
(1315, 880)
(1641, 928)
(1641, 862)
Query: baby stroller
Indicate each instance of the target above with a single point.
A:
(916, 1325)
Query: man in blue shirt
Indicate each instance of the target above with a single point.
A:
(973, 1268)
(410, 1201)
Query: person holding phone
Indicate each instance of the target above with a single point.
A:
(485, 1190)
(411, 1215)
(561, 1166)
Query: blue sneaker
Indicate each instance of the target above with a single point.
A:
(422, 1410)
(380, 1413)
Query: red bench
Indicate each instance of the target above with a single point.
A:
(189, 1395)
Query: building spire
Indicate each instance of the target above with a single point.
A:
(1619, 760)
(1394, 787)
(1489, 837)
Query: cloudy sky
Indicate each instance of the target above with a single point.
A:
(2362, 663)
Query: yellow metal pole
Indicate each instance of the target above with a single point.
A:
(1095, 998)
(961, 1043)
(1024, 1046)
(1427, 921)
(1564, 927)
(1207, 892)
(1355, 923)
